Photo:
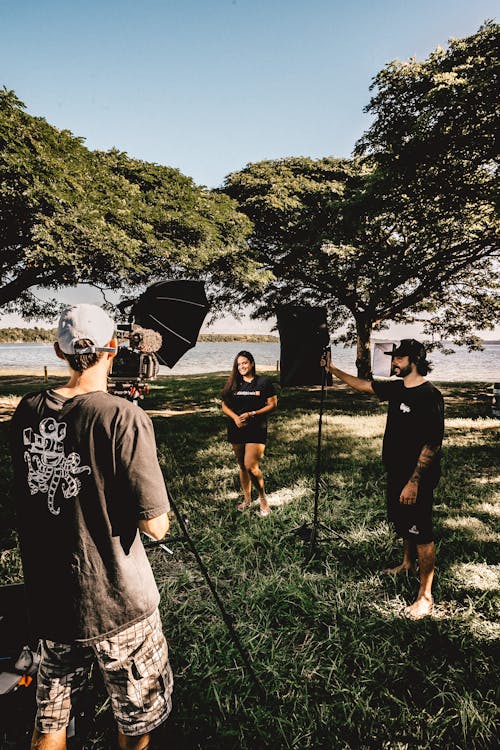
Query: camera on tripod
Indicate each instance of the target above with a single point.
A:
(135, 363)
(157, 328)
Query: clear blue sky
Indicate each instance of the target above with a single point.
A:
(210, 85)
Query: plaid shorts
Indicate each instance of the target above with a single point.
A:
(136, 672)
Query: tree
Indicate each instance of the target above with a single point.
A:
(438, 120)
(69, 215)
(406, 229)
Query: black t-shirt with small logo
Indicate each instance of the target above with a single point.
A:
(248, 397)
(415, 418)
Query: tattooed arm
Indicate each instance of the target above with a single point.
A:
(410, 490)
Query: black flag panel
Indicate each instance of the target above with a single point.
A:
(303, 338)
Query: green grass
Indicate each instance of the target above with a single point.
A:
(340, 665)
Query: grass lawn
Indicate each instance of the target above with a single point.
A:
(341, 666)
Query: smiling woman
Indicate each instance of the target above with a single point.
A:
(247, 399)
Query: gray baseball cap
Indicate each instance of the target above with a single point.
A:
(85, 322)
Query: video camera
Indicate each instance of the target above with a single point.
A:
(136, 362)
(161, 325)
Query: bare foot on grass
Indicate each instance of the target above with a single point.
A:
(264, 509)
(244, 505)
(422, 607)
(403, 568)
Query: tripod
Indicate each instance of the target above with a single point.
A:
(308, 532)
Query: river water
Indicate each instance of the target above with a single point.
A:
(218, 356)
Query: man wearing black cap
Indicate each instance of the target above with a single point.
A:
(411, 455)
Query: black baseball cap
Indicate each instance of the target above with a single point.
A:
(408, 348)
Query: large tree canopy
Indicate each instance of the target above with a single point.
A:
(437, 121)
(393, 234)
(69, 215)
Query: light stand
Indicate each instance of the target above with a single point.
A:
(308, 532)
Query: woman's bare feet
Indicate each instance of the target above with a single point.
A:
(245, 504)
(264, 507)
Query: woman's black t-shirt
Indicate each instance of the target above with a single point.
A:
(249, 397)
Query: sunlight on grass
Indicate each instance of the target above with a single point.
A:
(287, 495)
(488, 479)
(170, 412)
(477, 575)
(360, 533)
(7, 407)
(10, 566)
(472, 425)
(466, 432)
(366, 426)
(361, 426)
(478, 626)
(492, 509)
(389, 607)
(473, 527)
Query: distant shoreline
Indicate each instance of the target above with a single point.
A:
(48, 336)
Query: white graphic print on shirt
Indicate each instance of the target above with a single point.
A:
(47, 464)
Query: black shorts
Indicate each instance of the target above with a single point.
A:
(413, 522)
(253, 433)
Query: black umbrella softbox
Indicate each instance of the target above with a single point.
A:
(303, 338)
(176, 310)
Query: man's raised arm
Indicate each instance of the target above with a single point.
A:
(358, 384)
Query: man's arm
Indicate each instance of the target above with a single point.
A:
(425, 459)
(155, 527)
(358, 384)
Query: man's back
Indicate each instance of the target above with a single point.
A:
(85, 473)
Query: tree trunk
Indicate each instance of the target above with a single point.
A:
(11, 291)
(363, 348)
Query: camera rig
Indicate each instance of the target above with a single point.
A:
(158, 328)
(135, 363)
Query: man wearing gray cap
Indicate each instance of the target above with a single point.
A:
(86, 480)
(411, 456)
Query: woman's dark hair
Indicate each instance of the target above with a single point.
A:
(81, 362)
(234, 380)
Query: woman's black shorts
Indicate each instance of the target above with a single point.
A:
(249, 434)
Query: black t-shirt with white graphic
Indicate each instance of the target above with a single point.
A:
(85, 472)
(415, 418)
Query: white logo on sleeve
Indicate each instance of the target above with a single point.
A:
(48, 467)
(414, 530)
(405, 408)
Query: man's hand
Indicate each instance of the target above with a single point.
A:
(155, 527)
(326, 361)
(409, 493)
